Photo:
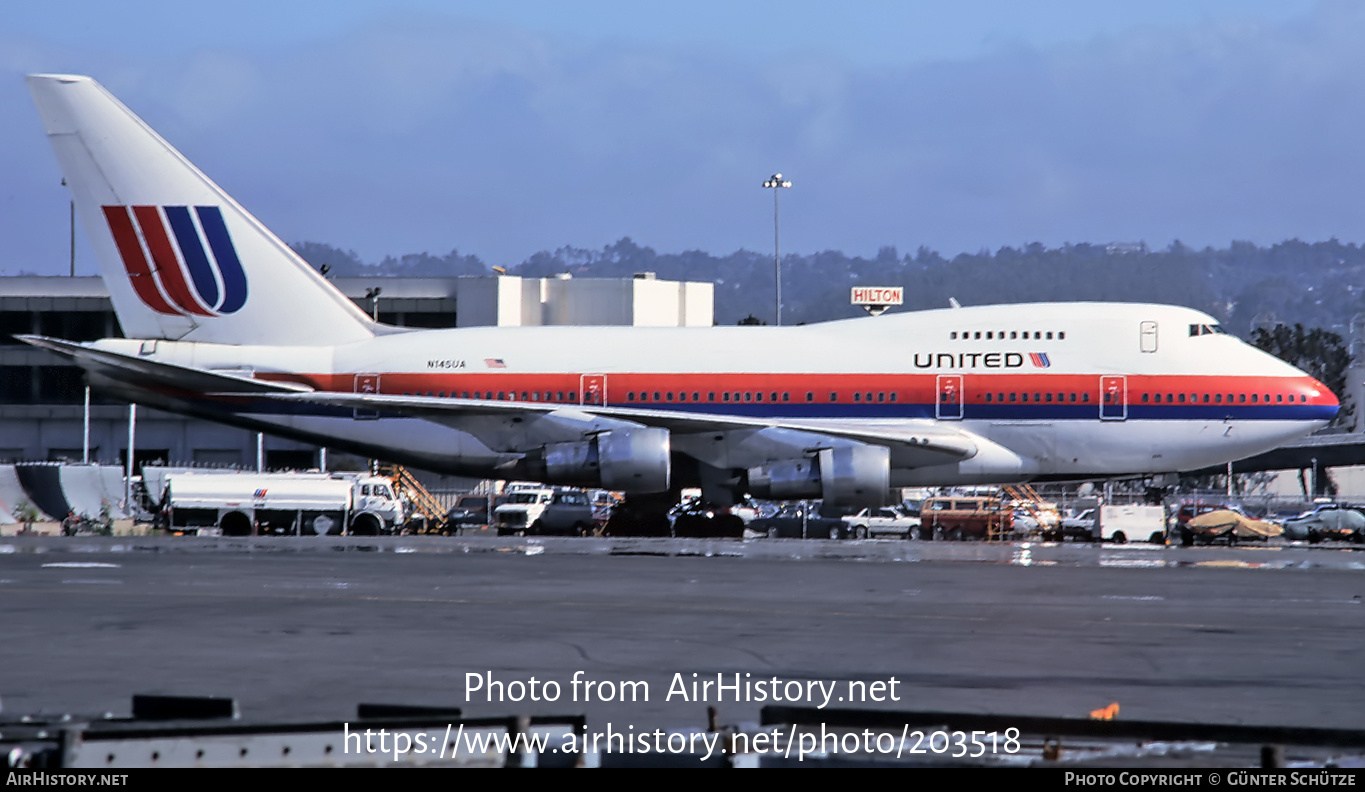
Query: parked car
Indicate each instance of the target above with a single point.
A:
(872, 523)
(545, 511)
(962, 517)
(1082, 527)
(469, 512)
(794, 522)
(1326, 521)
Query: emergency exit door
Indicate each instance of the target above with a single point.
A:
(366, 383)
(593, 389)
(1113, 398)
(949, 406)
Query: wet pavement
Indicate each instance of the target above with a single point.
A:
(307, 628)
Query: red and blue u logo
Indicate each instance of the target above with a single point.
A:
(215, 285)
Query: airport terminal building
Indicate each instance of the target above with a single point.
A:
(42, 394)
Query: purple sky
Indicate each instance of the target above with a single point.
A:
(502, 129)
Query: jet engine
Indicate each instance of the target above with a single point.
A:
(854, 475)
(630, 460)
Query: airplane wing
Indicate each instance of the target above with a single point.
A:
(912, 443)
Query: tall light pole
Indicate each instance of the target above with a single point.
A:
(776, 182)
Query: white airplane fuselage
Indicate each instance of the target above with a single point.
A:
(1096, 389)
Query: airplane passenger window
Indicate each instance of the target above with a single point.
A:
(1049, 398)
(656, 396)
(1279, 397)
(857, 397)
(502, 395)
(786, 396)
(810, 396)
(758, 397)
(630, 396)
(953, 335)
(1182, 398)
(1085, 398)
(1253, 398)
(1242, 398)
(1073, 398)
(893, 396)
(978, 335)
(1023, 397)
(711, 396)
(869, 395)
(834, 397)
(1035, 398)
(726, 395)
(669, 395)
(524, 396)
(748, 396)
(1267, 398)
(1037, 335)
(988, 397)
(881, 397)
(1144, 398)
(1049, 335)
(1206, 398)
(1012, 334)
(1061, 336)
(696, 396)
(988, 335)
(1012, 395)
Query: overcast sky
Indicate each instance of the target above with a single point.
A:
(505, 128)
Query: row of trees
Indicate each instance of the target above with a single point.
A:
(1316, 284)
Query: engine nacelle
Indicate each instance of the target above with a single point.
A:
(630, 460)
(855, 475)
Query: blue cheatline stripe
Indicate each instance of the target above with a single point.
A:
(192, 249)
(234, 278)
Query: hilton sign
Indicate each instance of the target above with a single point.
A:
(877, 299)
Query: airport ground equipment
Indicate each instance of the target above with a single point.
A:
(422, 501)
(244, 504)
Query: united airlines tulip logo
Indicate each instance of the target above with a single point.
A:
(1039, 360)
(158, 260)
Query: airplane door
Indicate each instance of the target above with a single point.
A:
(949, 406)
(593, 389)
(366, 383)
(1147, 336)
(1113, 398)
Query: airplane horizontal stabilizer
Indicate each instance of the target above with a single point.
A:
(143, 371)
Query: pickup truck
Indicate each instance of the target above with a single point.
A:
(872, 523)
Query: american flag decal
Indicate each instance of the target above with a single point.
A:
(1039, 359)
(494, 363)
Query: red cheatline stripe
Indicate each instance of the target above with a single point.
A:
(144, 283)
(167, 267)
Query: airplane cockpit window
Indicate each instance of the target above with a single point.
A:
(1204, 329)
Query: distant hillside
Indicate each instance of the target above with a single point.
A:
(1315, 284)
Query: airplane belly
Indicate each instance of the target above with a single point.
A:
(1119, 447)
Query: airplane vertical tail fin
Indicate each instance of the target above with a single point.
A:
(180, 258)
